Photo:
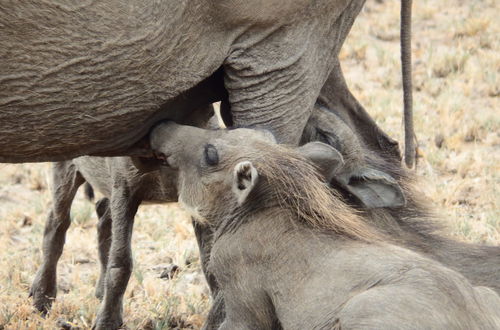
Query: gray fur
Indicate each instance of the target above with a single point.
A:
(275, 272)
(373, 188)
(413, 226)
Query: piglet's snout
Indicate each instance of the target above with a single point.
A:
(162, 134)
(172, 142)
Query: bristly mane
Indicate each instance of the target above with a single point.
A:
(296, 185)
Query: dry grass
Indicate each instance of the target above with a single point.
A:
(163, 236)
(456, 78)
(457, 88)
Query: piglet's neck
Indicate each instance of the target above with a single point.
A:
(258, 204)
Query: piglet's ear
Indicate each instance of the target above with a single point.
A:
(373, 188)
(325, 157)
(245, 178)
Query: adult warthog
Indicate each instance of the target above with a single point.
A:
(287, 253)
(89, 77)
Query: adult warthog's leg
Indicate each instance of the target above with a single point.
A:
(104, 241)
(123, 210)
(275, 75)
(66, 180)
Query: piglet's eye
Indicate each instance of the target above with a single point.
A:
(211, 155)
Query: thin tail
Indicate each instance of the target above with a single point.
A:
(410, 150)
(88, 191)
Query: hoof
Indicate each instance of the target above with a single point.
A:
(42, 298)
(43, 290)
(42, 302)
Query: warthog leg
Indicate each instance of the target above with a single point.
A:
(123, 209)
(103, 240)
(66, 180)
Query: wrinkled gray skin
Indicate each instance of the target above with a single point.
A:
(275, 273)
(92, 78)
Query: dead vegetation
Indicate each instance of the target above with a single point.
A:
(457, 89)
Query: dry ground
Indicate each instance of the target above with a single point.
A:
(457, 88)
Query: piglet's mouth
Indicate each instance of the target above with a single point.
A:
(166, 160)
(162, 158)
